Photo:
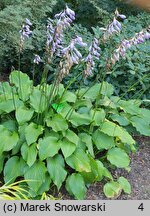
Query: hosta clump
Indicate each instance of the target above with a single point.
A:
(74, 140)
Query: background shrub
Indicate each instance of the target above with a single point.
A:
(89, 14)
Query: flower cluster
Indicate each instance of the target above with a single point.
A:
(37, 59)
(74, 53)
(71, 55)
(25, 32)
(55, 31)
(115, 26)
(126, 44)
(94, 52)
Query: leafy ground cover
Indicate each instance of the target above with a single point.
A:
(139, 176)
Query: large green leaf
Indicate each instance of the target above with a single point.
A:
(130, 106)
(71, 136)
(48, 147)
(22, 139)
(11, 125)
(6, 90)
(91, 92)
(107, 174)
(10, 105)
(145, 114)
(97, 172)
(118, 157)
(102, 141)
(69, 97)
(8, 139)
(2, 158)
(62, 108)
(87, 139)
(67, 147)
(94, 91)
(32, 132)
(23, 83)
(56, 170)
(58, 107)
(29, 153)
(78, 119)
(23, 114)
(75, 186)
(38, 100)
(79, 161)
(46, 185)
(125, 185)
(58, 123)
(121, 119)
(112, 189)
(99, 116)
(115, 130)
(141, 125)
(14, 168)
(83, 103)
(35, 175)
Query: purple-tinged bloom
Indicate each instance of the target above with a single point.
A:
(70, 13)
(94, 52)
(120, 15)
(28, 22)
(55, 30)
(140, 40)
(25, 32)
(77, 53)
(73, 51)
(127, 44)
(80, 42)
(147, 35)
(114, 27)
(37, 59)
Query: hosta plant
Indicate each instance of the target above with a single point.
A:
(51, 136)
(66, 138)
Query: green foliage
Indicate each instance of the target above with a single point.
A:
(113, 189)
(14, 191)
(134, 70)
(11, 18)
(90, 13)
(53, 146)
(75, 186)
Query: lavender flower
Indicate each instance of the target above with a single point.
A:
(55, 29)
(114, 27)
(25, 32)
(119, 15)
(28, 22)
(147, 36)
(94, 52)
(37, 59)
(127, 44)
(70, 56)
(74, 53)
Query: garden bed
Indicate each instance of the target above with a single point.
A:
(139, 177)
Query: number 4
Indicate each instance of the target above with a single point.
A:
(141, 207)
